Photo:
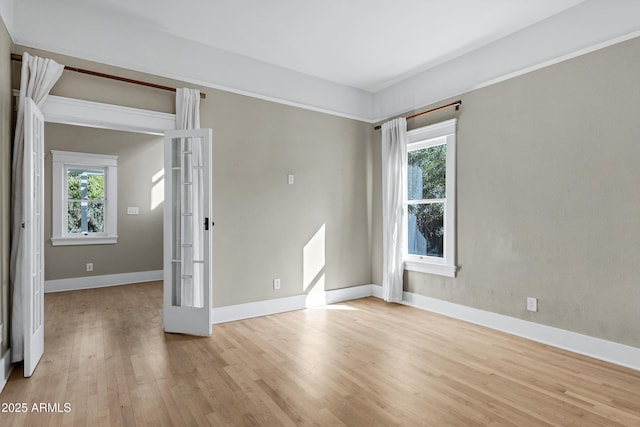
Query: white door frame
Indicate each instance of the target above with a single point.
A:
(33, 242)
(77, 112)
(70, 111)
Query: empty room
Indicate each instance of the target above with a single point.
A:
(320, 213)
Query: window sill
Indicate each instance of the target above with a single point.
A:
(430, 268)
(84, 240)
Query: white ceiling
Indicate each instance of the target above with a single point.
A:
(338, 56)
(336, 40)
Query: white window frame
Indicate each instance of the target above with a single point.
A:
(64, 160)
(420, 138)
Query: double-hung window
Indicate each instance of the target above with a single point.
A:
(84, 195)
(429, 201)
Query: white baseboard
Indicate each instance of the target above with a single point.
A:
(316, 299)
(90, 282)
(376, 291)
(280, 305)
(256, 309)
(597, 348)
(5, 368)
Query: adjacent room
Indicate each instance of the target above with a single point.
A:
(332, 213)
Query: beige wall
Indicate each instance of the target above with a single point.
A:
(139, 246)
(262, 224)
(6, 133)
(548, 193)
(548, 197)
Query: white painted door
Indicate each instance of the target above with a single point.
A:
(187, 232)
(33, 293)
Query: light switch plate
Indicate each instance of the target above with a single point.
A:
(133, 210)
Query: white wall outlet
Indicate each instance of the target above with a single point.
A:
(89, 266)
(276, 284)
(290, 179)
(532, 304)
(133, 210)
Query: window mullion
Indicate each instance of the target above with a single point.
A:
(424, 201)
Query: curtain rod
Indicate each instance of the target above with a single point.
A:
(456, 104)
(18, 58)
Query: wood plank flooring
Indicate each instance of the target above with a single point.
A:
(360, 363)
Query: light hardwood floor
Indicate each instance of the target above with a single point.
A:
(358, 363)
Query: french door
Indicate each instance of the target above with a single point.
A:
(187, 232)
(33, 243)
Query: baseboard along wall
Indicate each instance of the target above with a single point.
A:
(597, 348)
(90, 282)
(5, 368)
(280, 305)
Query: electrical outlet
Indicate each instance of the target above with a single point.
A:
(532, 304)
(276, 284)
(89, 266)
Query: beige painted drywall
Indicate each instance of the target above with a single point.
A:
(548, 197)
(264, 227)
(547, 193)
(6, 133)
(139, 246)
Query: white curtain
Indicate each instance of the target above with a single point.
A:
(187, 108)
(37, 78)
(188, 117)
(394, 155)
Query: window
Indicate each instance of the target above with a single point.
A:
(84, 198)
(430, 199)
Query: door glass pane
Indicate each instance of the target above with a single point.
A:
(176, 220)
(426, 173)
(176, 213)
(176, 152)
(195, 167)
(187, 222)
(177, 282)
(425, 226)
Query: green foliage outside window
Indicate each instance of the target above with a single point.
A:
(85, 201)
(426, 176)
